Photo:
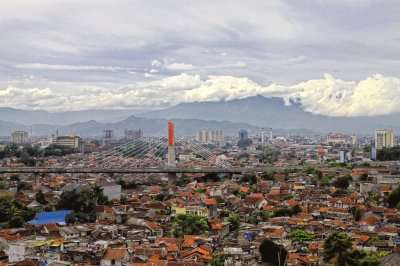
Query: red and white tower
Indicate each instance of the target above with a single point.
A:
(171, 147)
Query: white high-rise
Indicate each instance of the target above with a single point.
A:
(208, 136)
(19, 137)
(383, 138)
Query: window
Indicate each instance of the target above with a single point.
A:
(112, 262)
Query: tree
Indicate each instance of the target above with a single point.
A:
(272, 254)
(188, 224)
(300, 236)
(234, 220)
(14, 178)
(40, 197)
(217, 260)
(296, 209)
(23, 186)
(2, 185)
(343, 182)
(355, 210)
(16, 221)
(336, 246)
(394, 198)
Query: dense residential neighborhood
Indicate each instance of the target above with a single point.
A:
(327, 203)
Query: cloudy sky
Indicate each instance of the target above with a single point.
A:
(336, 57)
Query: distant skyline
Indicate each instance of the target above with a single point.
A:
(337, 57)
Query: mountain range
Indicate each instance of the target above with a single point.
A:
(250, 113)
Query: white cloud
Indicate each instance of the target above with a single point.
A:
(374, 95)
(179, 67)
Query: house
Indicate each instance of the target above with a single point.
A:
(211, 204)
(69, 232)
(254, 202)
(110, 190)
(115, 256)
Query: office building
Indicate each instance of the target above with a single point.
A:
(19, 137)
(108, 136)
(336, 138)
(133, 134)
(72, 141)
(383, 138)
(208, 136)
(243, 134)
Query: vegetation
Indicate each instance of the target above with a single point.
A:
(272, 253)
(300, 236)
(388, 154)
(343, 182)
(217, 261)
(394, 198)
(250, 178)
(40, 198)
(336, 246)
(83, 203)
(270, 155)
(234, 220)
(182, 181)
(58, 150)
(188, 224)
(12, 213)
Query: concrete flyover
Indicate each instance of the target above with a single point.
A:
(160, 170)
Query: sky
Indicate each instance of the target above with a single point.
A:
(335, 57)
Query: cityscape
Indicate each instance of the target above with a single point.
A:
(184, 133)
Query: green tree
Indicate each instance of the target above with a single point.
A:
(296, 209)
(2, 185)
(14, 178)
(23, 186)
(188, 224)
(394, 198)
(299, 235)
(355, 210)
(217, 260)
(234, 220)
(336, 246)
(272, 254)
(343, 182)
(40, 198)
(16, 221)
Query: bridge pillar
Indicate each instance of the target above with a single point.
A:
(36, 180)
(172, 178)
(171, 147)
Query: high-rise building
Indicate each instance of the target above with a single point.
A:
(133, 134)
(208, 136)
(383, 138)
(19, 137)
(243, 134)
(108, 136)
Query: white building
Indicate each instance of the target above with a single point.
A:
(208, 136)
(19, 137)
(383, 138)
(110, 190)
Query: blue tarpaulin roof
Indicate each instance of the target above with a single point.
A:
(50, 217)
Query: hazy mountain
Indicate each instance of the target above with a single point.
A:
(64, 118)
(150, 126)
(272, 112)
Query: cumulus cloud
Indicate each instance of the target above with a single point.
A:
(179, 67)
(375, 95)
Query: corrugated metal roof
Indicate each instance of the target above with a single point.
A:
(50, 217)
